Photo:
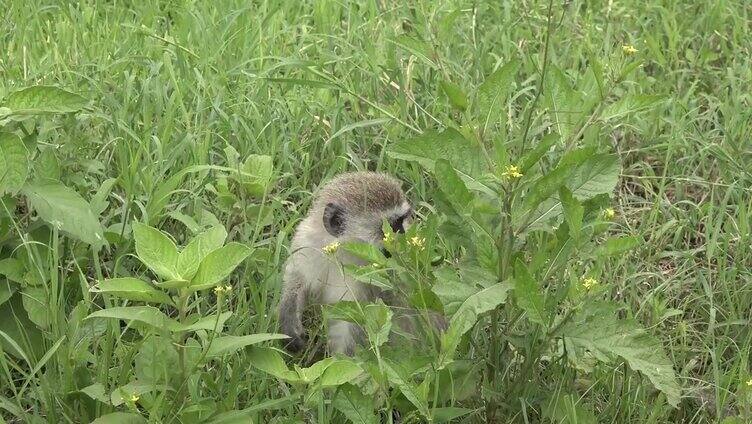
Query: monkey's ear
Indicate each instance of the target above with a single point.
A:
(334, 219)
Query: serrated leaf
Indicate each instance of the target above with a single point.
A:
(46, 166)
(42, 99)
(146, 314)
(457, 97)
(229, 344)
(132, 289)
(65, 209)
(492, 93)
(14, 166)
(596, 175)
(197, 249)
(353, 404)
(464, 155)
(527, 292)
(617, 245)
(156, 251)
(597, 329)
(451, 289)
(562, 100)
(533, 156)
(454, 188)
(218, 265)
(573, 212)
(466, 317)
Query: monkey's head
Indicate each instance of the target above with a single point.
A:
(354, 205)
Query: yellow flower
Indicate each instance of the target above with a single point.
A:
(511, 171)
(134, 398)
(609, 213)
(589, 283)
(331, 248)
(418, 242)
(749, 382)
(388, 238)
(222, 289)
(376, 265)
(628, 49)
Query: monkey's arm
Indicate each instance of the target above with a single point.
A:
(291, 306)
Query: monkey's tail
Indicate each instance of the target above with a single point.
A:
(291, 314)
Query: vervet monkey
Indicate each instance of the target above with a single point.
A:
(351, 207)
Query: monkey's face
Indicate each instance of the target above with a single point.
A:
(366, 226)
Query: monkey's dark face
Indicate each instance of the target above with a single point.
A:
(366, 226)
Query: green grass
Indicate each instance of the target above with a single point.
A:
(173, 84)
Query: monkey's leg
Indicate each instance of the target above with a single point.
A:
(291, 311)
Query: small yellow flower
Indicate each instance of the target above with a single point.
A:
(222, 289)
(589, 283)
(418, 242)
(388, 238)
(134, 398)
(331, 248)
(629, 49)
(609, 213)
(749, 382)
(376, 265)
(511, 171)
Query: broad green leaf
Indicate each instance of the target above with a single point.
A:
(618, 245)
(36, 305)
(15, 328)
(46, 166)
(13, 270)
(156, 251)
(353, 404)
(596, 175)
(257, 174)
(43, 99)
(533, 156)
(96, 392)
(466, 317)
(271, 362)
(6, 290)
(454, 188)
(378, 322)
(364, 251)
(208, 322)
(399, 378)
(65, 209)
(229, 344)
(548, 184)
(451, 289)
(197, 249)
(120, 418)
(156, 359)
(629, 104)
(244, 416)
(527, 292)
(146, 314)
(312, 373)
(218, 265)
(132, 289)
(457, 97)
(562, 101)
(464, 155)
(14, 166)
(492, 94)
(417, 47)
(340, 372)
(597, 329)
(573, 212)
(567, 409)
